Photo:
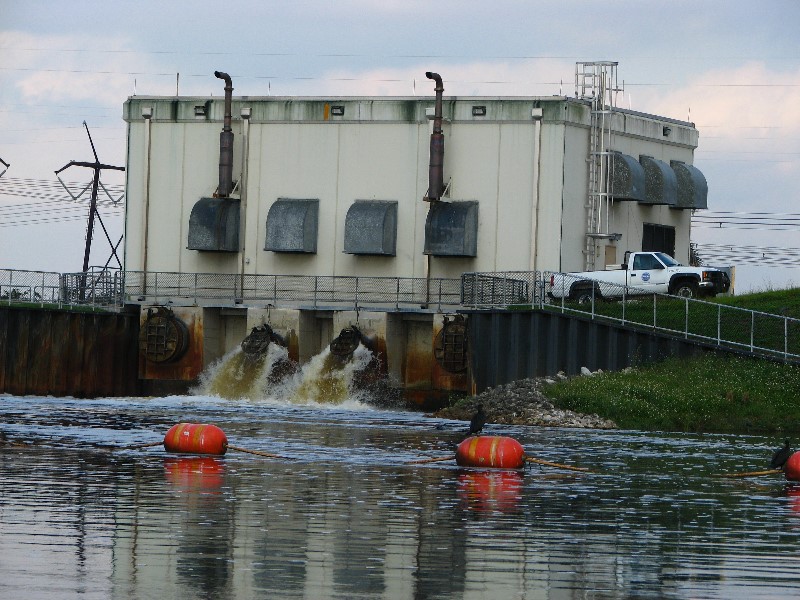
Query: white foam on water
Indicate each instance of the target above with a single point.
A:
(238, 376)
(325, 381)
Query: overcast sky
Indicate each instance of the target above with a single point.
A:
(730, 66)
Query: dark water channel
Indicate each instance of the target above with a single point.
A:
(348, 518)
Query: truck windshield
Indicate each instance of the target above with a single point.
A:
(667, 259)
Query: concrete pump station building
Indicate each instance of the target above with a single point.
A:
(306, 191)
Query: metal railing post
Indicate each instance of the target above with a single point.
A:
(719, 325)
(686, 319)
(785, 338)
(752, 329)
(397, 294)
(654, 312)
(624, 302)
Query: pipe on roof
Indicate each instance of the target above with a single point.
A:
(226, 142)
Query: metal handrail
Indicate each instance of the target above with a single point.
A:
(314, 291)
(755, 332)
(751, 331)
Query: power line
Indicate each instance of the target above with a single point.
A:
(751, 255)
(765, 221)
(52, 202)
(316, 78)
(357, 55)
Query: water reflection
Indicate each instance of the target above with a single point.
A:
(346, 517)
(487, 491)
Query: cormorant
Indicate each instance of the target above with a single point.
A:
(780, 456)
(478, 421)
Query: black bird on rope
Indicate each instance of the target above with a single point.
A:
(477, 422)
(780, 456)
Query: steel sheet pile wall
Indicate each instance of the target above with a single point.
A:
(508, 346)
(61, 353)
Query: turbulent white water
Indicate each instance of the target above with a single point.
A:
(237, 375)
(325, 379)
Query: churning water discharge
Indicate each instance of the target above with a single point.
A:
(325, 379)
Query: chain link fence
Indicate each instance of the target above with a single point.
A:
(95, 289)
(501, 289)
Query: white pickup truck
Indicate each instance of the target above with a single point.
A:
(641, 273)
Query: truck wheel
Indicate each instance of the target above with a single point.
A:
(584, 295)
(685, 289)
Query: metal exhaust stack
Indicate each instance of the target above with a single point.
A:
(436, 167)
(225, 142)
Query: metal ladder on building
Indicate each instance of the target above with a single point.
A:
(597, 82)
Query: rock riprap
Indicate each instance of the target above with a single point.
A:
(523, 403)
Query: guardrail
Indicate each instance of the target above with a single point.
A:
(754, 332)
(341, 292)
(758, 333)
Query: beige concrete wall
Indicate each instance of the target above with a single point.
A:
(380, 151)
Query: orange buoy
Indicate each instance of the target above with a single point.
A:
(792, 467)
(196, 439)
(490, 451)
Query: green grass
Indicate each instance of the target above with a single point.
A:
(709, 394)
(780, 302)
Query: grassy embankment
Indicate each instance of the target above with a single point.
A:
(710, 394)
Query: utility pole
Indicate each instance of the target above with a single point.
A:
(97, 166)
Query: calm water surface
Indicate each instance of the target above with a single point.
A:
(347, 517)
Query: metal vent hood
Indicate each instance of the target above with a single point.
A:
(660, 182)
(370, 227)
(292, 226)
(451, 229)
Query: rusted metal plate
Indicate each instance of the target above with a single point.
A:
(54, 352)
(189, 365)
(450, 367)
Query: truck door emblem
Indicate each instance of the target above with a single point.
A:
(645, 276)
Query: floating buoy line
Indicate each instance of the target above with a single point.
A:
(484, 451)
(790, 469)
(487, 451)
